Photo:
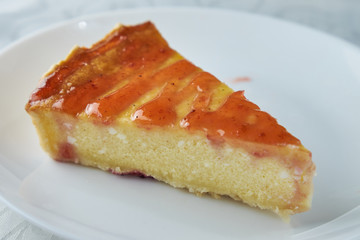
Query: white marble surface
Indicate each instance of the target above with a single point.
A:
(19, 18)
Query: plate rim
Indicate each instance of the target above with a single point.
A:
(93, 16)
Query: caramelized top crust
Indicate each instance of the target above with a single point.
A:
(131, 62)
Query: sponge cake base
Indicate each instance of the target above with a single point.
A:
(182, 160)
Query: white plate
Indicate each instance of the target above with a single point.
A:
(308, 80)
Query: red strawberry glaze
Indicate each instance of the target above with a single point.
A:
(66, 153)
(133, 71)
(136, 173)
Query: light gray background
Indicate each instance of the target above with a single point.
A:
(18, 18)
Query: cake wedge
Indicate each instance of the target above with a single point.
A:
(130, 104)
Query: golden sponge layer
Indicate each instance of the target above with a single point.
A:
(180, 159)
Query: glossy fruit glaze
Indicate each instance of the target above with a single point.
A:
(105, 80)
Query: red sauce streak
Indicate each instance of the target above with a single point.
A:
(76, 100)
(140, 53)
(51, 83)
(111, 105)
(147, 57)
(161, 110)
(139, 48)
(238, 118)
(241, 79)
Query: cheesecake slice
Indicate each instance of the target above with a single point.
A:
(130, 104)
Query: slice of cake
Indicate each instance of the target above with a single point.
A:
(130, 104)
